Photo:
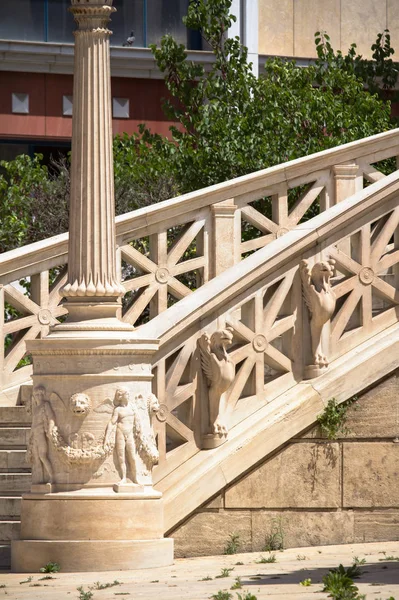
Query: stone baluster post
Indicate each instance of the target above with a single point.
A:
(346, 184)
(226, 236)
(92, 276)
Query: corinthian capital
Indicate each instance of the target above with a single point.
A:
(91, 15)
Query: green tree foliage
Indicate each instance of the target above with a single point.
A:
(227, 123)
(232, 123)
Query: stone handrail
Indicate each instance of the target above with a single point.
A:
(169, 249)
(261, 301)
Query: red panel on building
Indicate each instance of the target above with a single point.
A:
(45, 120)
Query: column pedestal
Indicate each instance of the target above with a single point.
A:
(91, 530)
(79, 513)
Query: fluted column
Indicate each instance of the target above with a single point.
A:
(92, 276)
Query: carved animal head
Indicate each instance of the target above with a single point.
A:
(153, 404)
(121, 397)
(80, 404)
(221, 339)
(321, 274)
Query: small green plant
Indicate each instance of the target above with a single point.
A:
(239, 563)
(155, 581)
(274, 540)
(359, 561)
(248, 596)
(28, 580)
(237, 585)
(393, 558)
(338, 583)
(306, 582)
(222, 595)
(332, 420)
(84, 595)
(46, 577)
(207, 578)
(104, 586)
(50, 567)
(121, 593)
(267, 559)
(224, 573)
(301, 557)
(2, 586)
(233, 544)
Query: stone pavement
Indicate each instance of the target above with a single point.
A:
(188, 578)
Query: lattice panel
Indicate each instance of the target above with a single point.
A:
(177, 425)
(367, 283)
(27, 315)
(264, 347)
(263, 221)
(161, 270)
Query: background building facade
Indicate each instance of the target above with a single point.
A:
(36, 56)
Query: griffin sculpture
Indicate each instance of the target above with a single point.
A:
(219, 370)
(320, 300)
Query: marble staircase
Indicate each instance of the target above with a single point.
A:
(15, 477)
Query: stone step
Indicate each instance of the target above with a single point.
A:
(5, 556)
(14, 415)
(10, 508)
(13, 460)
(14, 483)
(14, 436)
(9, 530)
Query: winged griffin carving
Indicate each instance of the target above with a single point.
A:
(320, 300)
(219, 370)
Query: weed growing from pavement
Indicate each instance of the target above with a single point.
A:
(232, 544)
(84, 595)
(224, 573)
(267, 559)
(50, 567)
(237, 585)
(274, 540)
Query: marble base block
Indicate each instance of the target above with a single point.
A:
(91, 555)
(91, 532)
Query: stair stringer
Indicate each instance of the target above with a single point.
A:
(203, 476)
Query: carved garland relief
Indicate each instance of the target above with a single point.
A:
(129, 432)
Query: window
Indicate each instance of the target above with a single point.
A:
(129, 16)
(67, 106)
(20, 104)
(166, 17)
(51, 21)
(60, 22)
(120, 108)
(23, 20)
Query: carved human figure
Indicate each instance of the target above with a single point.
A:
(43, 421)
(320, 300)
(124, 417)
(220, 372)
(131, 427)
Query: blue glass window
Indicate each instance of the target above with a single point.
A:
(60, 23)
(129, 17)
(166, 17)
(23, 20)
(51, 21)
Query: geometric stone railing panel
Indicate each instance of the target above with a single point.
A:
(168, 250)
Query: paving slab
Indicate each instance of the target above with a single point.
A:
(188, 578)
